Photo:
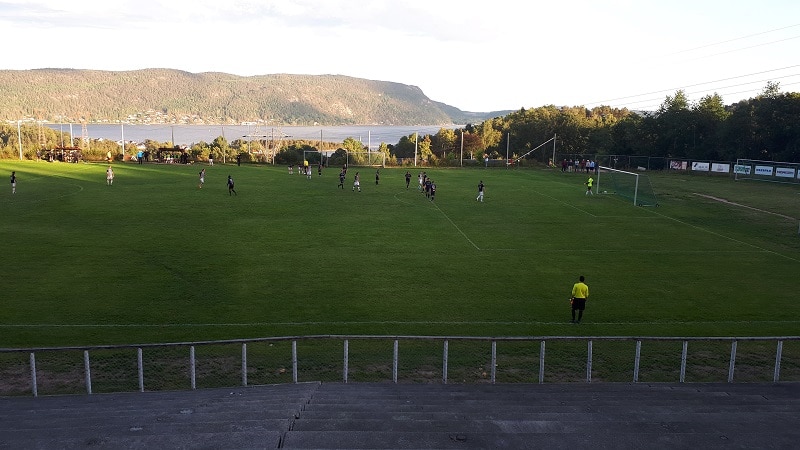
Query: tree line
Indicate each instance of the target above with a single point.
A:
(765, 127)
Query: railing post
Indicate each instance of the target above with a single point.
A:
(192, 373)
(494, 360)
(346, 359)
(294, 361)
(87, 371)
(541, 362)
(636, 360)
(589, 362)
(244, 364)
(733, 361)
(683, 361)
(34, 386)
(444, 362)
(140, 367)
(395, 361)
(775, 377)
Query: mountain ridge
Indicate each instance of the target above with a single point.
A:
(164, 95)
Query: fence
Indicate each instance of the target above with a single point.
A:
(420, 359)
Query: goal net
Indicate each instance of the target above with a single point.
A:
(632, 186)
(369, 159)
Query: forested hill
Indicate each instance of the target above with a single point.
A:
(173, 96)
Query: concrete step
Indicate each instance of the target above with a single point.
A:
(457, 440)
(239, 441)
(341, 415)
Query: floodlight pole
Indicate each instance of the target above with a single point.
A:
(462, 148)
(554, 148)
(416, 145)
(508, 145)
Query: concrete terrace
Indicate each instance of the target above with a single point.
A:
(414, 416)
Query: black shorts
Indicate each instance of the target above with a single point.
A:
(579, 303)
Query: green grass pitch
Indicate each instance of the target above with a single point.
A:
(153, 258)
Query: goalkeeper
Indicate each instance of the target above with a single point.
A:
(580, 292)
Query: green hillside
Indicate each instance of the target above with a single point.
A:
(173, 96)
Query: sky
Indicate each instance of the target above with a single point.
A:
(475, 55)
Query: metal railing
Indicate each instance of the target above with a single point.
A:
(438, 359)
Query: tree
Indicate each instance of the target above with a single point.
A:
(771, 90)
(425, 152)
(406, 147)
(443, 142)
(709, 117)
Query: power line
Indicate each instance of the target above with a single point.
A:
(733, 40)
(691, 85)
(748, 48)
(654, 106)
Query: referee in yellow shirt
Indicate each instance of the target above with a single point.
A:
(580, 292)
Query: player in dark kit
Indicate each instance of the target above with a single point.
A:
(230, 186)
(341, 179)
(408, 178)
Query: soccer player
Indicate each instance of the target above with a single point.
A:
(357, 183)
(202, 178)
(109, 176)
(481, 189)
(230, 186)
(377, 176)
(13, 182)
(433, 190)
(589, 183)
(580, 292)
(341, 179)
(408, 178)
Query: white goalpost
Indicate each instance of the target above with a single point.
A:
(630, 185)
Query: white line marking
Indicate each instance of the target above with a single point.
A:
(722, 200)
(454, 224)
(393, 322)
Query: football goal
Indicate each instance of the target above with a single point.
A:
(632, 186)
(369, 159)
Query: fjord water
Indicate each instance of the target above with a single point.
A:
(372, 135)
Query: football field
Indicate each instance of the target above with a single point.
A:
(155, 258)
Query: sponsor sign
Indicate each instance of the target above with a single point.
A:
(784, 172)
(741, 169)
(678, 165)
(720, 168)
(764, 170)
(700, 166)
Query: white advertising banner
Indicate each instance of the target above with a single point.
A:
(720, 168)
(678, 165)
(700, 166)
(742, 169)
(764, 170)
(784, 172)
